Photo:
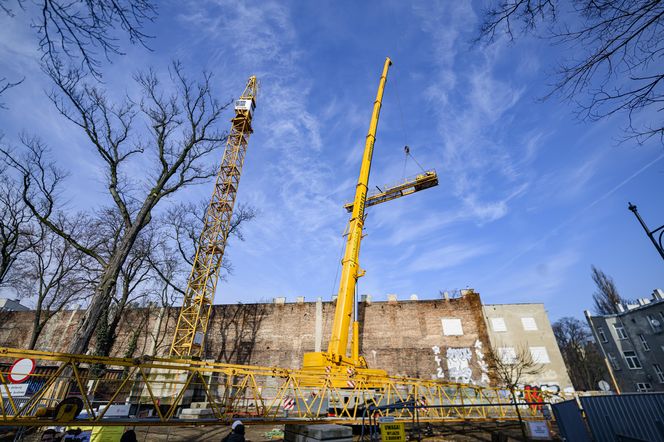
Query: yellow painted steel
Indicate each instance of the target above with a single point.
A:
(256, 394)
(191, 328)
(422, 181)
(350, 270)
(336, 357)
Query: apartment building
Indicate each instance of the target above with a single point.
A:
(520, 327)
(632, 341)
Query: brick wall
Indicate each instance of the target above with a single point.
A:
(399, 337)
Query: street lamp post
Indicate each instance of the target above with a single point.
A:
(651, 233)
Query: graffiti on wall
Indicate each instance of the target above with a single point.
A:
(458, 365)
(459, 362)
(436, 357)
(484, 367)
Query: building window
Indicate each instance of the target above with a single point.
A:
(632, 360)
(529, 324)
(643, 387)
(658, 371)
(646, 347)
(620, 331)
(613, 361)
(539, 355)
(602, 336)
(498, 325)
(655, 323)
(452, 327)
(507, 355)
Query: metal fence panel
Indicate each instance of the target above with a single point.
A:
(637, 416)
(570, 423)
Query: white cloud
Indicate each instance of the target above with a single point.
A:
(446, 257)
(472, 107)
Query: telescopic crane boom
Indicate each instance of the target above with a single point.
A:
(336, 355)
(192, 324)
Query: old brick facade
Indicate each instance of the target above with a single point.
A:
(403, 337)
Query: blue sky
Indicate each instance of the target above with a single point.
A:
(529, 197)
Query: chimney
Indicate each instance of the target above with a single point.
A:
(365, 298)
(300, 300)
(658, 294)
(392, 298)
(446, 295)
(621, 308)
(280, 300)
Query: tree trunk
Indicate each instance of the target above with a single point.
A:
(36, 331)
(100, 300)
(103, 293)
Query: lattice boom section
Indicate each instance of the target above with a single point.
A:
(155, 392)
(194, 315)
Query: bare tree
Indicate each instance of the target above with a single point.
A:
(5, 85)
(582, 358)
(16, 226)
(132, 289)
(621, 43)
(606, 297)
(85, 32)
(174, 151)
(511, 366)
(50, 274)
(183, 224)
(171, 261)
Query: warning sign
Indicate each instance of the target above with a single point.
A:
(393, 432)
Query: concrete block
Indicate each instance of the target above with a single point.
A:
(196, 413)
(312, 433)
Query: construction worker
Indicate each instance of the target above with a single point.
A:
(236, 434)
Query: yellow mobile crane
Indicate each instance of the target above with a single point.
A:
(191, 328)
(336, 357)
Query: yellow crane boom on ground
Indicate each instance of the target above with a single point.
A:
(336, 356)
(191, 328)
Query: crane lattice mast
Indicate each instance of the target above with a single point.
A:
(194, 316)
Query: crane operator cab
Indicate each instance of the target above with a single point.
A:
(245, 104)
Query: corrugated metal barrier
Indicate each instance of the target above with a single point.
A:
(570, 423)
(627, 417)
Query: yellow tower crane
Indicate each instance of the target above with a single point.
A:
(191, 328)
(336, 357)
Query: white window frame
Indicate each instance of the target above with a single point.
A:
(498, 325)
(529, 324)
(634, 359)
(659, 372)
(650, 319)
(644, 342)
(452, 327)
(615, 365)
(602, 335)
(643, 387)
(539, 355)
(507, 355)
(620, 331)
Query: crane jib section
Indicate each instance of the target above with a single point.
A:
(197, 303)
